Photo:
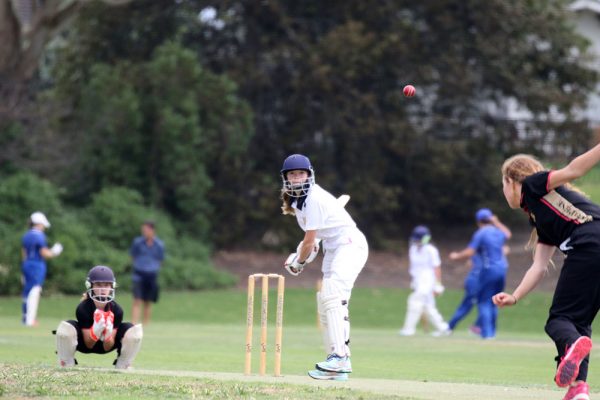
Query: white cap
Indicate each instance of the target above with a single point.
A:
(38, 218)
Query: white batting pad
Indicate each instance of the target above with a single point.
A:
(33, 299)
(323, 322)
(337, 317)
(130, 346)
(66, 344)
(435, 318)
(414, 311)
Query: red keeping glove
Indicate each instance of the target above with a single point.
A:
(99, 325)
(109, 317)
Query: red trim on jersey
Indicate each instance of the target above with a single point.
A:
(548, 180)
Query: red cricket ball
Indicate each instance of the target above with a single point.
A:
(409, 90)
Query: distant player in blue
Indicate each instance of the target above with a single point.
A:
(34, 252)
(488, 243)
(471, 286)
(147, 252)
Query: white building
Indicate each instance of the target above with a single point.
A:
(587, 19)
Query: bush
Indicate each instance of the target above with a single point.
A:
(99, 234)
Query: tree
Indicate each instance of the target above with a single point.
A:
(325, 79)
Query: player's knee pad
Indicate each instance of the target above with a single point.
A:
(66, 344)
(415, 303)
(130, 346)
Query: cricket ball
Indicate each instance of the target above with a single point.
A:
(409, 90)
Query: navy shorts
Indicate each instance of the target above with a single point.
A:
(145, 286)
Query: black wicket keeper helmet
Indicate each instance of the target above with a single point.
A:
(101, 274)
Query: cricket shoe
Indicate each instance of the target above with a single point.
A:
(569, 365)
(327, 376)
(581, 391)
(406, 332)
(475, 330)
(335, 363)
(442, 333)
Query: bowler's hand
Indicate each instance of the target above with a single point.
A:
(504, 299)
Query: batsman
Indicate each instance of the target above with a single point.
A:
(324, 219)
(99, 327)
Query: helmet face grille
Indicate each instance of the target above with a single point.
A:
(298, 189)
(105, 295)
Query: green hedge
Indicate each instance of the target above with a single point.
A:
(99, 233)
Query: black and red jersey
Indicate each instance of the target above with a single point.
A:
(562, 217)
(85, 313)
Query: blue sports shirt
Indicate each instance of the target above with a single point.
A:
(33, 241)
(147, 258)
(487, 243)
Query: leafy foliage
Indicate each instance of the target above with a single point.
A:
(99, 234)
(195, 112)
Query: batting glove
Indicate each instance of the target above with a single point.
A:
(99, 325)
(292, 265)
(109, 317)
(438, 288)
(313, 253)
(56, 249)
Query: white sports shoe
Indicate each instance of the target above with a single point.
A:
(335, 363)
(405, 332)
(327, 376)
(445, 332)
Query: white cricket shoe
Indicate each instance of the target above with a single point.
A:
(327, 376)
(335, 363)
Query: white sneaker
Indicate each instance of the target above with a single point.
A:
(335, 363)
(405, 332)
(445, 332)
(327, 376)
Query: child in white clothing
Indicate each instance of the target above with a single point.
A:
(426, 274)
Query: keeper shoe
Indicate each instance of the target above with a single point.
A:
(335, 363)
(581, 391)
(327, 376)
(569, 365)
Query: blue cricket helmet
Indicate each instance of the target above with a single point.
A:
(292, 163)
(421, 234)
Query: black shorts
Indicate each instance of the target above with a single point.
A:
(99, 346)
(145, 286)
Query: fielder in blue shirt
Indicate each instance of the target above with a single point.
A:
(34, 252)
(147, 253)
(488, 243)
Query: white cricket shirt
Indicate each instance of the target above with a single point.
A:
(321, 212)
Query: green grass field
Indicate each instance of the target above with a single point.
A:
(194, 348)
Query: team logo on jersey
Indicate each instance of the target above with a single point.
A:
(565, 209)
